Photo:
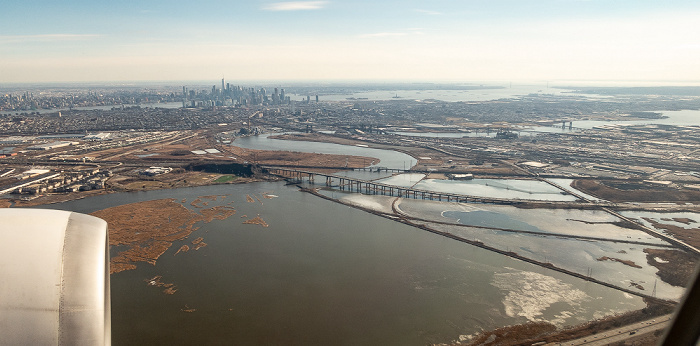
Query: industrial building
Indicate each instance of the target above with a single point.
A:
(49, 146)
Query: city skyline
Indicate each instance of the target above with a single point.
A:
(454, 41)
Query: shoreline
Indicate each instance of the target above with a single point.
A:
(583, 328)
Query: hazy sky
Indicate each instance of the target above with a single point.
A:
(436, 40)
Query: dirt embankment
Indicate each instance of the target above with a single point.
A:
(532, 333)
(288, 158)
(57, 198)
(512, 335)
(620, 191)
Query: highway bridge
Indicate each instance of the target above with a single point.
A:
(375, 188)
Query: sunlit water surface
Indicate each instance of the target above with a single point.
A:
(324, 273)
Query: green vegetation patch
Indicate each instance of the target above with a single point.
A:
(225, 178)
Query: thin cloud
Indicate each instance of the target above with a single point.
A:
(47, 37)
(295, 5)
(416, 31)
(383, 34)
(428, 12)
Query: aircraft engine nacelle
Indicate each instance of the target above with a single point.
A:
(54, 278)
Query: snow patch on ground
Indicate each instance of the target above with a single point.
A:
(659, 260)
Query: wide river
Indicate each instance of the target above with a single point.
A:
(324, 273)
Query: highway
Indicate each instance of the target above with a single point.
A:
(619, 334)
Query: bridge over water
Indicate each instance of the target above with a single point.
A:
(374, 188)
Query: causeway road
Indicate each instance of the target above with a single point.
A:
(619, 334)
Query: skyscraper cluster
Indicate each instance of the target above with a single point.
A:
(229, 95)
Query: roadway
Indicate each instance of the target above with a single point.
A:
(619, 334)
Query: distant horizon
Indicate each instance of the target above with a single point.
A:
(364, 82)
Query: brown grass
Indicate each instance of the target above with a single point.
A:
(147, 228)
(199, 243)
(684, 220)
(614, 194)
(689, 236)
(680, 268)
(625, 262)
(211, 197)
(256, 221)
(156, 281)
(217, 213)
(196, 203)
(183, 248)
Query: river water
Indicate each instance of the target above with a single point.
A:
(555, 240)
(323, 273)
